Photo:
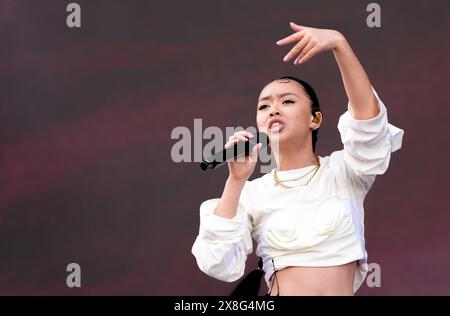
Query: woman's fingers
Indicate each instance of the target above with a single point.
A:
(230, 143)
(306, 50)
(236, 137)
(241, 137)
(291, 38)
(296, 50)
(311, 41)
(309, 55)
(255, 151)
(244, 133)
(296, 27)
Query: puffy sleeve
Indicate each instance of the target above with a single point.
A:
(368, 145)
(222, 244)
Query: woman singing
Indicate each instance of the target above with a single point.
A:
(306, 216)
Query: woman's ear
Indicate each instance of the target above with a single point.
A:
(317, 120)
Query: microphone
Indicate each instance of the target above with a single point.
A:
(239, 149)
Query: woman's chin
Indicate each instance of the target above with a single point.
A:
(278, 136)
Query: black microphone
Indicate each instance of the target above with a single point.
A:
(239, 149)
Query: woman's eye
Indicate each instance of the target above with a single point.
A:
(264, 105)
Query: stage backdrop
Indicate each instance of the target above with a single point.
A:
(87, 113)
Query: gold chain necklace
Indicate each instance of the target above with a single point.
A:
(281, 184)
(299, 178)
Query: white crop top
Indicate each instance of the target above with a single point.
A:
(321, 224)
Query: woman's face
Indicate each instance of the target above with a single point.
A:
(284, 113)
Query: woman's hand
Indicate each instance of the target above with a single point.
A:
(310, 41)
(241, 169)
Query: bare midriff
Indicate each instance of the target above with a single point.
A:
(335, 280)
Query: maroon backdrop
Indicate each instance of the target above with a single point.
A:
(86, 116)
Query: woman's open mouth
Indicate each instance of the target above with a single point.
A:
(275, 126)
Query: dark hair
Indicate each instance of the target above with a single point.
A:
(249, 286)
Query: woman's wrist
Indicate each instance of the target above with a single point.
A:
(237, 181)
(340, 41)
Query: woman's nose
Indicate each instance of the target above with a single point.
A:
(274, 113)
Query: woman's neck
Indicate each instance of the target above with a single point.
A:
(295, 158)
